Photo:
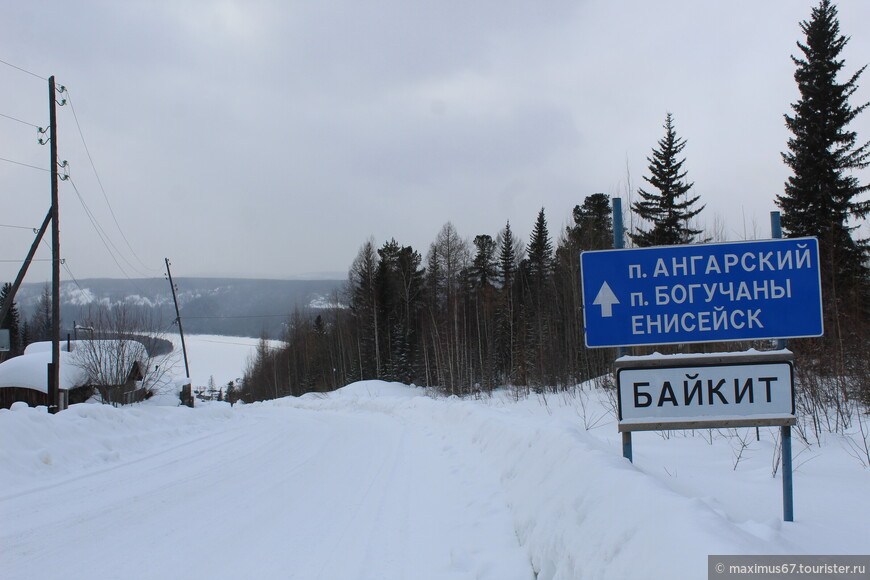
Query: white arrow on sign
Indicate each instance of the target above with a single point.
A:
(606, 299)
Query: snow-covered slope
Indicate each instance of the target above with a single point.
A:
(382, 480)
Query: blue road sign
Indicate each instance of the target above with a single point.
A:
(702, 293)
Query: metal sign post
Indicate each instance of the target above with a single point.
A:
(705, 391)
(618, 244)
(785, 430)
(787, 486)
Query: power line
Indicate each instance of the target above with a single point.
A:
(168, 326)
(100, 182)
(76, 282)
(19, 120)
(104, 238)
(63, 262)
(24, 70)
(287, 315)
(23, 164)
(100, 232)
(18, 227)
(231, 342)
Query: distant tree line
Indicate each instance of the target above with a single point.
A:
(466, 317)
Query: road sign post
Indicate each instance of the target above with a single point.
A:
(785, 430)
(755, 290)
(787, 486)
(705, 391)
(619, 243)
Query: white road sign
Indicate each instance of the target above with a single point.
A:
(705, 391)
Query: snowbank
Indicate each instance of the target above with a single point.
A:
(581, 510)
(41, 448)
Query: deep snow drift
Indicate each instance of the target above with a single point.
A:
(383, 480)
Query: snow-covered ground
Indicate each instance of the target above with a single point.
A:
(384, 480)
(211, 356)
(222, 358)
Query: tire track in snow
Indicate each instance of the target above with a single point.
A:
(286, 492)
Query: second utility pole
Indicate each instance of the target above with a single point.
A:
(186, 397)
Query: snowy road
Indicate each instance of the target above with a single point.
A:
(381, 481)
(279, 493)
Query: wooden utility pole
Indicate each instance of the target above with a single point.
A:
(187, 391)
(54, 369)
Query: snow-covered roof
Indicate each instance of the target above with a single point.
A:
(43, 346)
(30, 371)
(71, 345)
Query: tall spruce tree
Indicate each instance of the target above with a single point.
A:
(540, 251)
(593, 224)
(592, 230)
(507, 257)
(399, 283)
(669, 206)
(362, 287)
(506, 313)
(389, 309)
(483, 276)
(820, 196)
(484, 266)
(536, 303)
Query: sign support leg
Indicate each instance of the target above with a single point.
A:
(787, 489)
(626, 445)
(787, 485)
(618, 238)
(619, 243)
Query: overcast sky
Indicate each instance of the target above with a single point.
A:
(272, 138)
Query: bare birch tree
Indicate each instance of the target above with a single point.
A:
(114, 338)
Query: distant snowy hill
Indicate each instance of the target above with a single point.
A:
(226, 306)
